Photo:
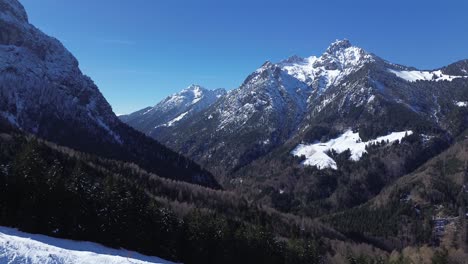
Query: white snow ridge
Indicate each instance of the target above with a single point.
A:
(413, 76)
(316, 154)
(18, 248)
(340, 60)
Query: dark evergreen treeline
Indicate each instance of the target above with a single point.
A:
(53, 190)
(394, 226)
(42, 190)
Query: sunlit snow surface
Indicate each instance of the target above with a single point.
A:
(330, 68)
(175, 120)
(316, 154)
(19, 248)
(413, 76)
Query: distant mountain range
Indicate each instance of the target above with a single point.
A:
(309, 99)
(179, 106)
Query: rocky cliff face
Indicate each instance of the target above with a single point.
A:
(43, 91)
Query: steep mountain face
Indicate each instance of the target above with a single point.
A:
(314, 173)
(182, 105)
(245, 123)
(393, 98)
(42, 91)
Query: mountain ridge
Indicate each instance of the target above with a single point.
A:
(343, 80)
(174, 108)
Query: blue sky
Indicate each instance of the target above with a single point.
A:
(140, 51)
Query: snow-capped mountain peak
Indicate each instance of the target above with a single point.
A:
(175, 108)
(188, 97)
(195, 88)
(267, 65)
(339, 60)
(342, 55)
(339, 45)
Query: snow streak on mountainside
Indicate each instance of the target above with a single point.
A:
(413, 76)
(316, 154)
(18, 248)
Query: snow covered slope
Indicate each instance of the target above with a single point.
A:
(316, 154)
(19, 248)
(413, 76)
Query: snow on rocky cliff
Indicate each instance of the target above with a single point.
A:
(340, 60)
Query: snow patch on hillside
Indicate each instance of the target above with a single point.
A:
(147, 111)
(413, 76)
(103, 125)
(18, 247)
(316, 154)
(175, 120)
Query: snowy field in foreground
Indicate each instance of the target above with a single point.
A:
(316, 154)
(19, 248)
